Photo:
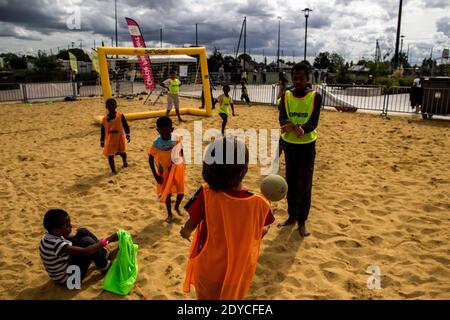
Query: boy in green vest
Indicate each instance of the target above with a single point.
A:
(225, 102)
(299, 115)
(173, 86)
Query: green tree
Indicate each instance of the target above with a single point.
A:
(230, 62)
(215, 60)
(322, 61)
(14, 61)
(336, 62)
(79, 53)
(46, 63)
(343, 75)
(428, 67)
(378, 69)
(403, 60)
(443, 70)
(246, 56)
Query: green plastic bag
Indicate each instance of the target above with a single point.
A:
(122, 274)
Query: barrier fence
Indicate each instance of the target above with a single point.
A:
(366, 97)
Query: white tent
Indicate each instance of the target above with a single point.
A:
(165, 59)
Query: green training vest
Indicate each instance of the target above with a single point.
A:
(224, 107)
(299, 111)
(174, 86)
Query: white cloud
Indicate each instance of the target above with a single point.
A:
(348, 27)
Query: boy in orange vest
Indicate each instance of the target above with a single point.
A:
(230, 223)
(114, 131)
(167, 153)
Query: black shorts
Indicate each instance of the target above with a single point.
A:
(224, 116)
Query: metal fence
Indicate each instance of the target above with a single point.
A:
(366, 97)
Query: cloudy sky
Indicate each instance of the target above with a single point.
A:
(347, 27)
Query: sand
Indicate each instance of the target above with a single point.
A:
(381, 197)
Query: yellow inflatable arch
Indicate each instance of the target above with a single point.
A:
(106, 86)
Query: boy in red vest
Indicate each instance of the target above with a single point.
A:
(230, 223)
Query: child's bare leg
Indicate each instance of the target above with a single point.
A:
(167, 112)
(169, 208)
(178, 114)
(111, 164)
(304, 232)
(124, 158)
(178, 202)
(224, 124)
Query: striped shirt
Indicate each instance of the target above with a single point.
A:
(55, 261)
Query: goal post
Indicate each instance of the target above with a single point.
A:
(200, 52)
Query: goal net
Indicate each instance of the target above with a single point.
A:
(121, 75)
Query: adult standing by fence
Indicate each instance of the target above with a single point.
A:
(221, 74)
(416, 94)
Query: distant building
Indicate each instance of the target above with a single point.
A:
(83, 67)
(283, 66)
(359, 69)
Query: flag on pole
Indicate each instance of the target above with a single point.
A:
(144, 61)
(73, 62)
(94, 58)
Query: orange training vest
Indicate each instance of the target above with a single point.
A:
(173, 174)
(114, 136)
(225, 266)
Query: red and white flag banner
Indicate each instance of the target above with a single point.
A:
(144, 61)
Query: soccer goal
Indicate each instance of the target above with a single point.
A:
(124, 72)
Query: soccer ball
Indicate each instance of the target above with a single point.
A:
(274, 187)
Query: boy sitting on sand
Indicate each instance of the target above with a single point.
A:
(58, 250)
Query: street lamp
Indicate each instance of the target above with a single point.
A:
(401, 43)
(278, 51)
(306, 12)
(115, 15)
(396, 56)
(401, 50)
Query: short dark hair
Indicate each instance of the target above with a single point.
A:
(226, 86)
(301, 67)
(225, 172)
(164, 122)
(54, 219)
(110, 102)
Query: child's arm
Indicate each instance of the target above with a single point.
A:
(162, 84)
(93, 248)
(265, 230)
(232, 109)
(151, 162)
(187, 229)
(102, 136)
(126, 128)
